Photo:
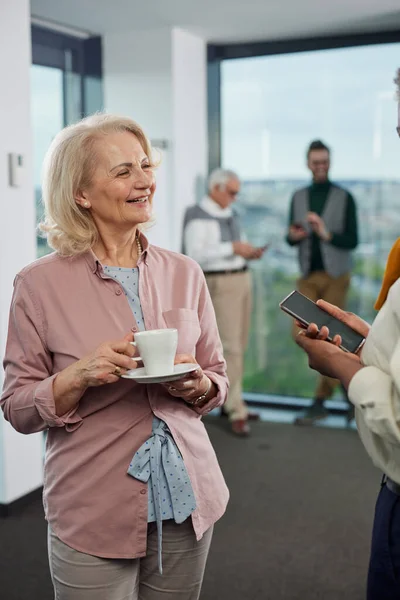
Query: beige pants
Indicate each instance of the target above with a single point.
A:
(231, 296)
(320, 285)
(79, 576)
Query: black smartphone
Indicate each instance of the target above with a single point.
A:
(306, 311)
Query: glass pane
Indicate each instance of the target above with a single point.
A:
(47, 120)
(72, 89)
(272, 107)
(73, 104)
(93, 94)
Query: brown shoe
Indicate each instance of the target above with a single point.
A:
(252, 416)
(240, 427)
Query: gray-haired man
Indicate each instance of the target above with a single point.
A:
(212, 237)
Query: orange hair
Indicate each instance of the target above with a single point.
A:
(392, 274)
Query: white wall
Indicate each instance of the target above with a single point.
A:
(158, 77)
(189, 88)
(137, 80)
(137, 83)
(20, 456)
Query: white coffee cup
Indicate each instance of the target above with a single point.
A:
(157, 349)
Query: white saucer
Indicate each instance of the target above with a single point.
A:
(139, 375)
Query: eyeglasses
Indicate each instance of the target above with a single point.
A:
(320, 163)
(232, 193)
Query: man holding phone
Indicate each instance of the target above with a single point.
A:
(323, 226)
(212, 236)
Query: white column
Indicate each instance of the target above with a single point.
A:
(20, 456)
(158, 77)
(189, 94)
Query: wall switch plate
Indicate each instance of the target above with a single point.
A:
(15, 169)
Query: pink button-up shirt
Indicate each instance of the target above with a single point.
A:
(62, 309)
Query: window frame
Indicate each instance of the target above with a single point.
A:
(50, 49)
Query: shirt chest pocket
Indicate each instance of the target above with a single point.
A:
(186, 321)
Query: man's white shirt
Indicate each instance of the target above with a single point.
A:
(203, 240)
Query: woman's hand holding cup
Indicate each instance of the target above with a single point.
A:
(107, 363)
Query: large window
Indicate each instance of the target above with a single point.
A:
(271, 108)
(66, 85)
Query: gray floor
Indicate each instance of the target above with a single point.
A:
(299, 521)
(297, 527)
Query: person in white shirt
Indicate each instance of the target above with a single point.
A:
(212, 236)
(372, 380)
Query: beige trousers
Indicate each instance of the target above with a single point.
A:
(79, 576)
(320, 285)
(231, 297)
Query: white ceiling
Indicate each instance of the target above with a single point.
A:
(225, 20)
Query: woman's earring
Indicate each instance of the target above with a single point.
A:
(86, 204)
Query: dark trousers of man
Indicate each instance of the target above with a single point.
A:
(320, 285)
(384, 568)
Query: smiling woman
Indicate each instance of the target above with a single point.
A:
(107, 164)
(72, 323)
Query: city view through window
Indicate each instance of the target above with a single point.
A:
(272, 107)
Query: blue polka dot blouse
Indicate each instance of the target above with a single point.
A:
(129, 281)
(158, 461)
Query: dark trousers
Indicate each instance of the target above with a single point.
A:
(384, 567)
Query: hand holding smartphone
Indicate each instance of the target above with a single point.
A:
(306, 312)
(298, 226)
(297, 232)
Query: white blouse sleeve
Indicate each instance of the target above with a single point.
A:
(375, 389)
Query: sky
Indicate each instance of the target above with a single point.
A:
(273, 106)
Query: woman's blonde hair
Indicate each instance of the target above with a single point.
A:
(68, 168)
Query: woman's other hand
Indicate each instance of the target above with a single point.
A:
(193, 385)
